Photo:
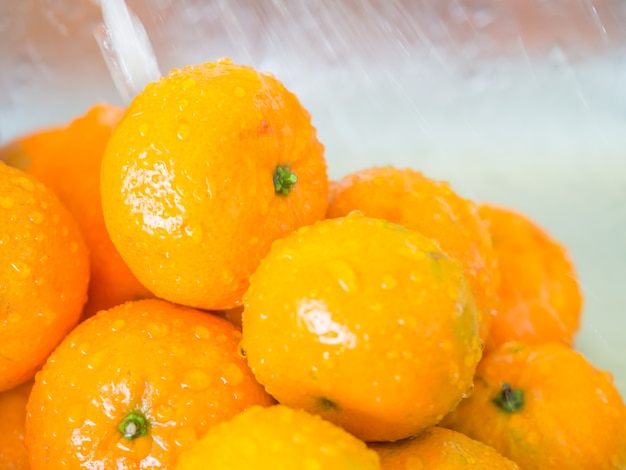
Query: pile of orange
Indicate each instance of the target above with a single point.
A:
(188, 291)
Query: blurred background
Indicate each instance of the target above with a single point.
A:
(518, 102)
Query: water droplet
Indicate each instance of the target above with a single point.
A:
(183, 103)
(143, 129)
(118, 324)
(23, 271)
(183, 131)
(225, 61)
(201, 332)
(73, 247)
(344, 274)
(311, 464)
(96, 359)
(176, 350)
(36, 217)
(157, 330)
(240, 92)
(195, 379)
(231, 374)
(195, 232)
(75, 414)
(184, 437)
(389, 282)
(188, 84)
(13, 317)
(64, 231)
(164, 413)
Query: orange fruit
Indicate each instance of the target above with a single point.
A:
(540, 299)
(67, 160)
(545, 407)
(364, 322)
(279, 438)
(408, 198)
(44, 272)
(134, 385)
(442, 449)
(13, 455)
(208, 166)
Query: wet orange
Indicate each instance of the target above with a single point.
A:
(545, 407)
(44, 273)
(133, 386)
(540, 298)
(364, 322)
(408, 198)
(441, 449)
(210, 165)
(67, 160)
(13, 455)
(279, 438)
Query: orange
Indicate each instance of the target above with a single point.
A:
(208, 166)
(13, 454)
(441, 449)
(67, 160)
(133, 386)
(279, 438)
(44, 272)
(364, 322)
(408, 198)
(540, 299)
(545, 407)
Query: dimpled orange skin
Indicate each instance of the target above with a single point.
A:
(179, 367)
(364, 322)
(441, 449)
(571, 415)
(13, 455)
(187, 180)
(540, 298)
(408, 198)
(279, 438)
(67, 160)
(44, 273)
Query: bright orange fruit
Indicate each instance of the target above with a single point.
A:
(364, 322)
(13, 455)
(408, 198)
(545, 407)
(441, 449)
(44, 273)
(278, 438)
(540, 298)
(208, 166)
(133, 386)
(67, 160)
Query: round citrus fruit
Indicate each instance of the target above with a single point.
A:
(44, 273)
(13, 455)
(540, 298)
(364, 322)
(67, 160)
(207, 167)
(134, 385)
(545, 407)
(408, 198)
(441, 449)
(279, 438)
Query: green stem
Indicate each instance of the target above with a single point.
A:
(134, 425)
(509, 400)
(284, 180)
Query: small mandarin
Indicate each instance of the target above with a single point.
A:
(67, 160)
(279, 438)
(13, 455)
(44, 273)
(545, 407)
(364, 322)
(408, 198)
(208, 166)
(133, 386)
(540, 298)
(441, 449)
